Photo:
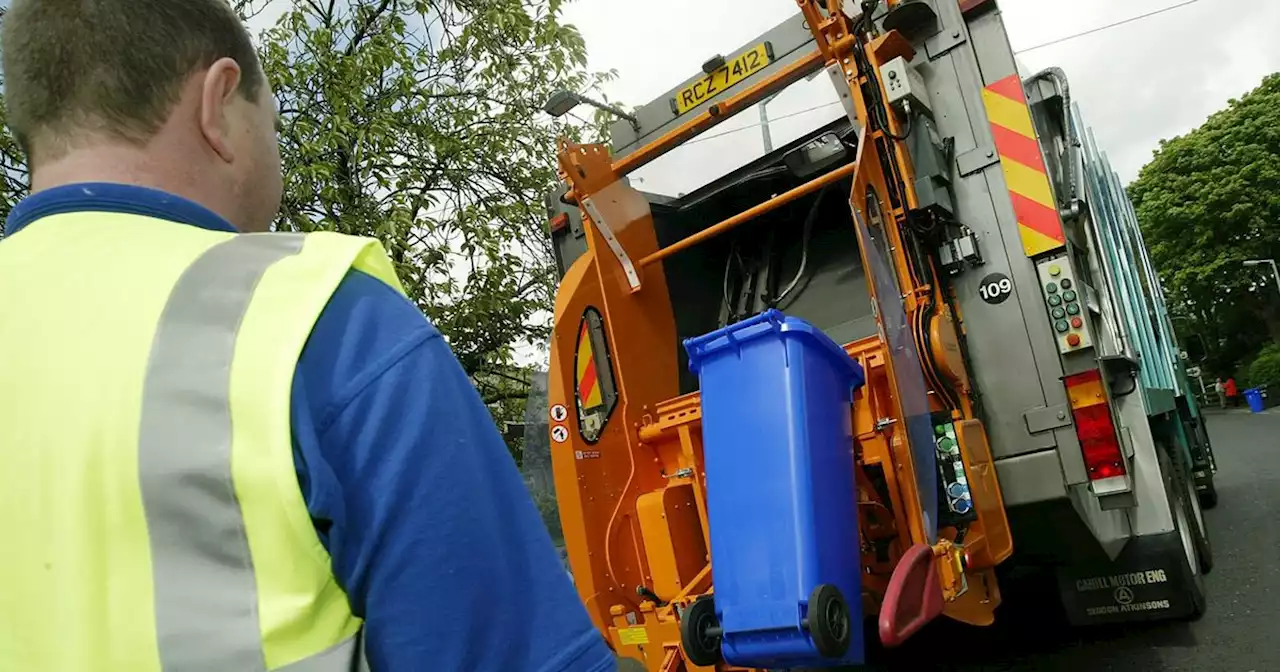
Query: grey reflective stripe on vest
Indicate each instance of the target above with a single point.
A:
(347, 656)
(206, 600)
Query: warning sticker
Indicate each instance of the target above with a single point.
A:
(633, 636)
(586, 454)
(559, 434)
(559, 413)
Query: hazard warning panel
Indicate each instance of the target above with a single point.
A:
(1024, 171)
(594, 389)
(588, 375)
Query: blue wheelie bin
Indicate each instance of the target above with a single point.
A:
(781, 497)
(1253, 397)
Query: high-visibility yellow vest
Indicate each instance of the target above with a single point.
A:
(152, 518)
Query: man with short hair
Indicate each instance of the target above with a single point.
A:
(231, 451)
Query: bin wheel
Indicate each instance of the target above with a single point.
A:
(828, 621)
(700, 632)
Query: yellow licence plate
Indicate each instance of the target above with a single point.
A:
(733, 71)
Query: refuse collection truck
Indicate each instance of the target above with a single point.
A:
(854, 366)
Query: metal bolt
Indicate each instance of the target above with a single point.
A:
(990, 154)
(1062, 416)
(956, 34)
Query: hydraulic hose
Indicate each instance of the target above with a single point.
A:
(1059, 79)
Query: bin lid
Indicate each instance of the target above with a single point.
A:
(771, 323)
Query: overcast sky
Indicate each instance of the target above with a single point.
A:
(1137, 83)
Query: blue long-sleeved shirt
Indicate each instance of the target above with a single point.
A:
(431, 530)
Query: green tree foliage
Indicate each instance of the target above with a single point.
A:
(1265, 370)
(420, 123)
(13, 166)
(1207, 202)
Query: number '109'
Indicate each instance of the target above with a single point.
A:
(994, 290)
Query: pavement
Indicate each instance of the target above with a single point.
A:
(1239, 633)
(1243, 410)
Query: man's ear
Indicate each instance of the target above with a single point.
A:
(221, 84)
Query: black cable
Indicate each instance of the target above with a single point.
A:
(806, 237)
(731, 312)
(876, 106)
(1106, 27)
(645, 592)
(868, 9)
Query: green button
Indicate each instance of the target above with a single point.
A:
(1066, 283)
(1073, 308)
(946, 446)
(1059, 313)
(1069, 296)
(1062, 326)
(1051, 288)
(1055, 270)
(1055, 300)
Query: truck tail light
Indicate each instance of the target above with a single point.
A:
(1096, 430)
(559, 222)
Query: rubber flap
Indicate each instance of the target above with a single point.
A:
(914, 596)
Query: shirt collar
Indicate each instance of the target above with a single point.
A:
(110, 197)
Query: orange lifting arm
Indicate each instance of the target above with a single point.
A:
(748, 215)
(718, 113)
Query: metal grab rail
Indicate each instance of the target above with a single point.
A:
(751, 213)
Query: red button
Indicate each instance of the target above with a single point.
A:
(1076, 323)
(1073, 340)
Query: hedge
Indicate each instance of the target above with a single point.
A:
(1265, 370)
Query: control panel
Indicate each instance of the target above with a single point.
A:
(1064, 299)
(904, 86)
(952, 482)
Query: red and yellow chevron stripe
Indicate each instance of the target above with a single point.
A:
(1024, 170)
(587, 379)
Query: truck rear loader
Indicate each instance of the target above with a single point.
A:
(867, 372)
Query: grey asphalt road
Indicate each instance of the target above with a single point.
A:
(1239, 633)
